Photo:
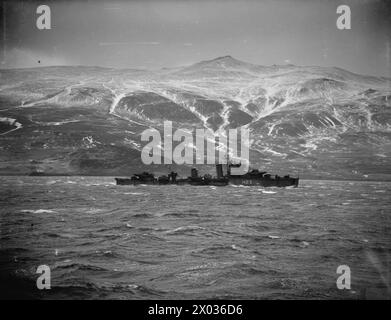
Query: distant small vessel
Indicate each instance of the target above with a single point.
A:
(251, 178)
(37, 173)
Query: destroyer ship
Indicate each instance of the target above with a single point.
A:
(251, 178)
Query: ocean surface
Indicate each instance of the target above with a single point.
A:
(103, 241)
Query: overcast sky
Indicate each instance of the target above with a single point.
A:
(166, 33)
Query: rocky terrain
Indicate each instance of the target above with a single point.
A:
(314, 121)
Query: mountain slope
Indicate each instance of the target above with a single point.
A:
(319, 122)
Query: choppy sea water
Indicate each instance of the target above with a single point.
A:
(103, 241)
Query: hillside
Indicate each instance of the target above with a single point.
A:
(319, 122)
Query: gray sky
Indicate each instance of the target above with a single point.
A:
(166, 33)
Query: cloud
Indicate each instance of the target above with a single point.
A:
(143, 43)
(113, 43)
(148, 43)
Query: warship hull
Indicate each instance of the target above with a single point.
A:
(290, 182)
(127, 181)
(213, 182)
(251, 178)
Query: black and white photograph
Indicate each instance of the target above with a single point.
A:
(222, 150)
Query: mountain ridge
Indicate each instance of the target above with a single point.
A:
(323, 121)
(208, 61)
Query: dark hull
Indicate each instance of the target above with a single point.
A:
(216, 183)
(126, 181)
(213, 182)
(283, 182)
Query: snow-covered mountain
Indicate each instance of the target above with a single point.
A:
(315, 121)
